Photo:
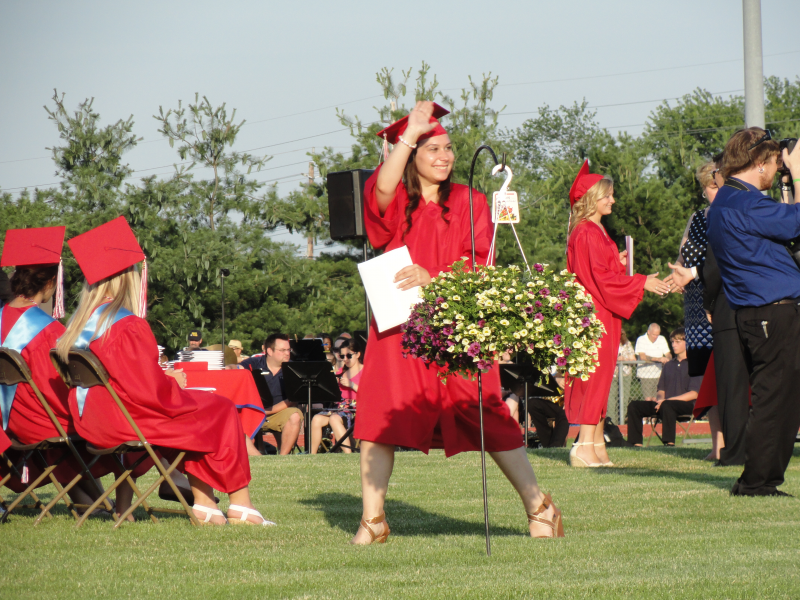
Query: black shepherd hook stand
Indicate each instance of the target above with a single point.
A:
(480, 384)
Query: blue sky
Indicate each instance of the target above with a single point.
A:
(271, 60)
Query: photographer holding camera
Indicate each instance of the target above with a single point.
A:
(748, 233)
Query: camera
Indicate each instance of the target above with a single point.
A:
(788, 144)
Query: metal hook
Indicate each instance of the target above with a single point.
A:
(503, 168)
(509, 176)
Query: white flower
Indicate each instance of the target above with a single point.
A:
(577, 344)
(564, 272)
(529, 325)
(487, 331)
(530, 284)
(573, 371)
(459, 317)
(584, 377)
(516, 335)
(549, 343)
(492, 347)
(540, 328)
(556, 322)
(518, 297)
(446, 322)
(504, 322)
(540, 344)
(445, 305)
(572, 331)
(523, 333)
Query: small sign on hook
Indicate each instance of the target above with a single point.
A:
(505, 204)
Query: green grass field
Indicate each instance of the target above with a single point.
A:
(660, 525)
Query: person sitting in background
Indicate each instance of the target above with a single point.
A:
(236, 346)
(341, 419)
(676, 395)
(651, 347)
(327, 342)
(284, 419)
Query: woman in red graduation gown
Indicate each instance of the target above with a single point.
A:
(24, 327)
(411, 202)
(204, 424)
(599, 267)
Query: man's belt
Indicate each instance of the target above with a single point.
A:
(788, 301)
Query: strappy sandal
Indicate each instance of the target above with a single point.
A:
(210, 512)
(608, 463)
(246, 512)
(577, 461)
(556, 524)
(376, 539)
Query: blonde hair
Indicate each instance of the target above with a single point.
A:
(587, 205)
(123, 288)
(703, 174)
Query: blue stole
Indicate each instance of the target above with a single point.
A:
(27, 327)
(88, 335)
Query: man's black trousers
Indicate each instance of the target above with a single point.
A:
(733, 394)
(541, 410)
(668, 413)
(770, 339)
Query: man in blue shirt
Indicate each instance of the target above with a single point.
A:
(284, 419)
(748, 232)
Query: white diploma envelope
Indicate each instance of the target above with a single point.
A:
(629, 248)
(390, 305)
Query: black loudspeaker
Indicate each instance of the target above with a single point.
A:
(346, 203)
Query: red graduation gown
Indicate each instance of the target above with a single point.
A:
(400, 400)
(594, 258)
(205, 424)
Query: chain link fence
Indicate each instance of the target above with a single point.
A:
(627, 386)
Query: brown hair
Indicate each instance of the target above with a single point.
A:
(587, 205)
(29, 281)
(703, 174)
(411, 181)
(269, 343)
(678, 334)
(740, 155)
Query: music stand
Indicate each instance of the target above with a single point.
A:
(266, 399)
(309, 382)
(307, 350)
(514, 374)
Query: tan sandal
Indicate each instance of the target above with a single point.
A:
(376, 539)
(556, 524)
(605, 464)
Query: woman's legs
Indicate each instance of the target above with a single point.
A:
(515, 466)
(600, 443)
(317, 423)
(251, 447)
(589, 433)
(377, 462)
(204, 496)
(717, 441)
(337, 425)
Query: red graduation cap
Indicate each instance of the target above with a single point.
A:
(107, 250)
(583, 181)
(396, 129)
(37, 247)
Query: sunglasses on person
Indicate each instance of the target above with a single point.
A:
(346, 356)
(764, 138)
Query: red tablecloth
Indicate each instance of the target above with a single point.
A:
(238, 385)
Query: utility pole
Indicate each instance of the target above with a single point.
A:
(310, 250)
(753, 65)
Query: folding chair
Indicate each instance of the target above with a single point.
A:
(14, 370)
(85, 370)
(683, 421)
(347, 434)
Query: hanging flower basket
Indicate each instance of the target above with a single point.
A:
(466, 320)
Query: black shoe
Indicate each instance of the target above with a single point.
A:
(760, 492)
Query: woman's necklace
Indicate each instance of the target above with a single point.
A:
(28, 300)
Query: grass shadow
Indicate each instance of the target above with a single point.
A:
(344, 511)
(723, 482)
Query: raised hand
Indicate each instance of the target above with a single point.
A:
(419, 121)
(655, 285)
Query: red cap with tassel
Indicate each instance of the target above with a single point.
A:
(108, 250)
(583, 182)
(37, 247)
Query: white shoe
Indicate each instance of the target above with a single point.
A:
(210, 512)
(246, 512)
(605, 464)
(577, 461)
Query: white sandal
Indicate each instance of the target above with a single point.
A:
(577, 461)
(210, 512)
(605, 464)
(246, 512)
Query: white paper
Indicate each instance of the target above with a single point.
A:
(629, 248)
(390, 305)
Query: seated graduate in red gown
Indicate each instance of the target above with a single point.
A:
(599, 266)
(24, 327)
(410, 201)
(107, 321)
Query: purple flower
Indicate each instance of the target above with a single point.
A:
(586, 322)
(563, 295)
(539, 316)
(558, 306)
(588, 305)
(484, 364)
(502, 305)
(529, 309)
(544, 292)
(481, 323)
(567, 351)
(439, 300)
(538, 267)
(474, 349)
(557, 339)
(532, 346)
(447, 330)
(537, 304)
(561, 361)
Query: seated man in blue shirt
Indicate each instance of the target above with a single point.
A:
(676, 395)
(284, 419)
(748, 233)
